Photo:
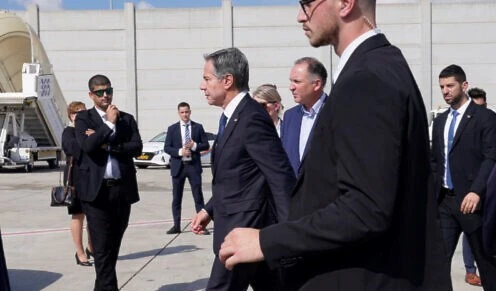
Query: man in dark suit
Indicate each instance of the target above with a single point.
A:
(184, 142)
(109, 139)
(361, 217)
(489, 217)
(252, 177)
(308, 77)
(463, 155)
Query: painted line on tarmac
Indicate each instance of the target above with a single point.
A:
(65, 229)
(154, 256)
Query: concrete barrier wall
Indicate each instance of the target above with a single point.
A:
(155, 57)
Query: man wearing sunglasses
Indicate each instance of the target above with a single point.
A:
(361, 214)
(109, 139)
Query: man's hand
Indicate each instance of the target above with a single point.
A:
(469, 203)
(200, 222)
(241, 245)
(186, 152)
(189, 145)
(89, 132)
(112, 113)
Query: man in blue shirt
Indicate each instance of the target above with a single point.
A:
(308, 77)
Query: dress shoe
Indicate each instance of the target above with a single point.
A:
(88, 253)
(85, 264)
(472, 279)
(174, 230)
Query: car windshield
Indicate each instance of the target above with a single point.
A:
(159, 138)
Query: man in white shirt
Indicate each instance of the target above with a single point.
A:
(184, 142)
(307, 81)
(252, 178)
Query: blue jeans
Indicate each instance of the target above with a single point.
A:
(468, 257)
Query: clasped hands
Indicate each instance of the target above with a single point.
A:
(186, 150)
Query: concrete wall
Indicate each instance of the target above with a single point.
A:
(155, 57)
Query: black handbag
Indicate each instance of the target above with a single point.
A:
(62, 194)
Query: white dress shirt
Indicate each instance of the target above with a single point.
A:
(307, 121)
(112, 170)
(345, 56)
(460, 111)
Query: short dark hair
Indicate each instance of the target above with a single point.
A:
(98, 80)
(453, 71)
(231, 61)
(315, 67)
(182, 104)
(477, 93)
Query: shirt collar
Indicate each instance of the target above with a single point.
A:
(100, 112)
(315, 108)
(345, 56)
(462, 108)
(184, 123)
(229, 110)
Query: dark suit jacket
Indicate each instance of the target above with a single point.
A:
(72, 149)
(174, 141)
(472, 154)
(290, 135)
(126, 145)
(360, 216)
(252, 178)
(4, 275)
(489, 216)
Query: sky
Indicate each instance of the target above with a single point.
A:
(119, 4)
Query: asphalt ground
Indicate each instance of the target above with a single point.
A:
(40, 253)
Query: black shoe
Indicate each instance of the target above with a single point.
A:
(85, 264)
(206, 232)
(173, 230)
(89, 254)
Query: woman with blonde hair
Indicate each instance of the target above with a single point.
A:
(72, 151)
(268, 97)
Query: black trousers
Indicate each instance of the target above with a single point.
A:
(4, 275)
(256, 275)
(453, 223)
(195, 181)
(108, 217)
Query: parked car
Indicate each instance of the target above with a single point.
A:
(153, 152)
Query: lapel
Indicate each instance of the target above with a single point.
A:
(466, 118)
(233, 121)
(177, 134)
(95, 118)
(441, 123)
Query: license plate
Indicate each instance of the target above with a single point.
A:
(143, 157)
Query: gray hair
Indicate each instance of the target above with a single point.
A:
(314, 68)
(231, 61)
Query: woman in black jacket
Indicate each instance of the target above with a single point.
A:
(73, 151)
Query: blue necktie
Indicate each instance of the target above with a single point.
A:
(222, 126)
(187, 134)
(451, 135)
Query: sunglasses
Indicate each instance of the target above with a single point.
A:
(304, 5)
(100, 93)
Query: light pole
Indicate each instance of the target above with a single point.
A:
(111, 5)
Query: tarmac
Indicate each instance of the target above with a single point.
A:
(40, 253)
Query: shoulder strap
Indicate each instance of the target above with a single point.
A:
(69, 170)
